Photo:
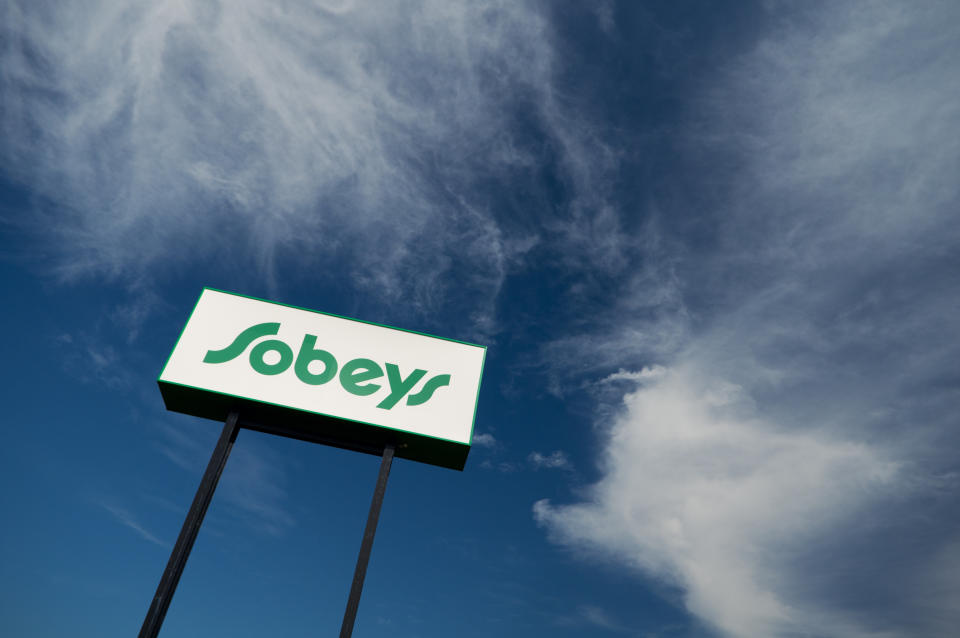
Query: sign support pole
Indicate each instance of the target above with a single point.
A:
(353, 602)
(188, 533)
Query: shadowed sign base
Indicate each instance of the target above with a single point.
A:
(314, 427)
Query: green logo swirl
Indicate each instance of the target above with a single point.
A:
(240, 344)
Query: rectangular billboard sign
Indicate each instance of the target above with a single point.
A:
(320, 377)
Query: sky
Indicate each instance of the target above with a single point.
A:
(712, 249)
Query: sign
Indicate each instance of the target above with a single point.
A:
(324, 378)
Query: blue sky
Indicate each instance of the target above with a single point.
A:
(713, 251)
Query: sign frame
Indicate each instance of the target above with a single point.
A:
(315, 426)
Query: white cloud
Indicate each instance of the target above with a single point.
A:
(647, 319)
(127, 519)
(650, 373)
(360, 140)
(598, 617)
(556, 460)
(592, 616)
(790, 469)
(714, 500)
(484, 439)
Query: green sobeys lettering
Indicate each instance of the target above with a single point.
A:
(356, 372)
(308, 354)
(428, 389)
(240, 344)
(398, 385)
(260, 364)
(355, 376)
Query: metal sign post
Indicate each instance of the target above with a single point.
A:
(191, 527)
(188, 533)
(350, 615)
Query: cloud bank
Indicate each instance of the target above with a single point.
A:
(790, 468)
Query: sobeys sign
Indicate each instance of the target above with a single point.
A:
(356, 376)
(321, 377)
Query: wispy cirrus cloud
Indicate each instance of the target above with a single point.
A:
(484, 439)
(253, 488)
(789, 467)
(556, 460)
(127, 519)
(339, 134)
(592, 616)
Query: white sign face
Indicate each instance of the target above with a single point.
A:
(278, 356)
